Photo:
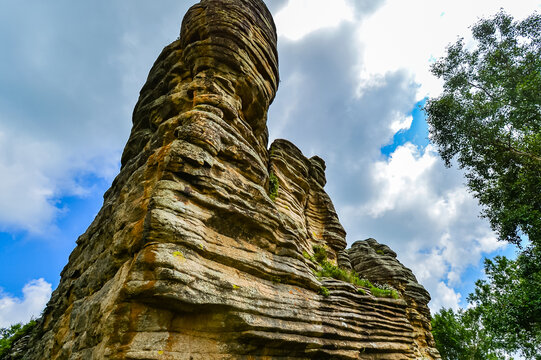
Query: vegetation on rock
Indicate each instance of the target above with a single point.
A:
(324, 291)
(328, 269)
(274, 185)
(8, 336)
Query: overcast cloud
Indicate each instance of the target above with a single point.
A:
(351, 74)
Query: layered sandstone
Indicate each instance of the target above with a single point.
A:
(378, 263)
(196, 254)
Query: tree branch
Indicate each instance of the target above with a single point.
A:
(506, 147)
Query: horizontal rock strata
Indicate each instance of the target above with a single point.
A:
(378, 263)
(202, 247)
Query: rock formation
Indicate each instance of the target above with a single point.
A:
(377, 262)
(202, 249)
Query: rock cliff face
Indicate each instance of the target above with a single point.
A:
(202, 249)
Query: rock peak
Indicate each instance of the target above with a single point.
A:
(209, 245)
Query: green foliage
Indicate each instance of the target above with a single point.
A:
(460, 336)
(489, 119)
(327, 269)
(274, 185)
(509, 303)
(320, 253)
(505, 316)
(324, 291)
(386, 293)
(8, 336)
(448, 334)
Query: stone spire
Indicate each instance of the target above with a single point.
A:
(202, 249)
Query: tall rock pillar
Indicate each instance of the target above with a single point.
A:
(202, 249)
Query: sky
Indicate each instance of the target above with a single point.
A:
(354, 76)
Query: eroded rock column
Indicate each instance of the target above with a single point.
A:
(194, 254)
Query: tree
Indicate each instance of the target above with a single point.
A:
(460, 336)
(8, 336)
(505, 316)
(488, 118)
(509, 303)
(448, 334)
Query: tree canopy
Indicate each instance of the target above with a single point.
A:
(504, 317)
(509, 303)
(488, 118)
(458, 336)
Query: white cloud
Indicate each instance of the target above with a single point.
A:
(423, 211)
(411, 34)
(401, 123)
(301, 17)
(27, 201)
(14, 310)
(401, 179)
(444, 296)
(36, 172)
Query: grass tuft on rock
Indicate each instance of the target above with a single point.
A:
(327, 269)
(320, 253)
(324, 291)
(274, 185)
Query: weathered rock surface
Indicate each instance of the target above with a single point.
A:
(190, 258)
(378, 263)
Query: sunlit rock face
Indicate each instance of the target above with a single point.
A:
(202, 247)
(378, 263)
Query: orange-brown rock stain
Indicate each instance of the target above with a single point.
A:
(153, 172)
(62, 329)
(210, 148)
(136, 231)
(125, 328)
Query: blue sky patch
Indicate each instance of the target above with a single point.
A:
(417, 134)
(45, 255)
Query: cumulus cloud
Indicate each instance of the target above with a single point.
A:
(69, 81)
(444, 296)
(422, 210)
(351, 72)
(301, 17)
(412, 34)
(36, 172)
(401, 123)
(15, 310)
(401, 180)
(346, 90)
(317, 106)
